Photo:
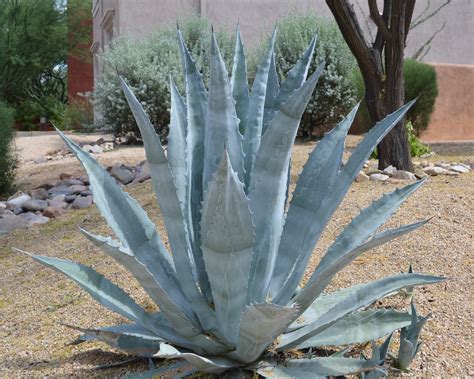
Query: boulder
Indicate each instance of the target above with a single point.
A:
(64, 176)
(362, 177)
(59, 198)
(9, 222)
(32, 218)
(57, 204)
(70, 198)
(18, 199)
(18, 210)
(34, 205)
(71, 182)
(60, 190)
(39, 194)
(53, 212)
(404, 175)
(378, 177)
(122, 174)
(77, 189)
(82, 202)
(86, 193)
(460, 168)
(390, 170)
(434, 170)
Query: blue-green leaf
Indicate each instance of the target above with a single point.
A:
(196, 101)
(253, 129)
(273, 86)
(317, 367)
(177, 143)
(172, 211)
(222, 126)
(239, 84)
(362, 297)
(227, 239)
(260, 325)
(267, 190)
(359, 327)
(207, 364)
(301, 226)
(319, 211)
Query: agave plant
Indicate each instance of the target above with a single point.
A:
(229, 294)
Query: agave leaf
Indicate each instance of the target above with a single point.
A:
(134, 344)
(196, 100)
(178, 318)
(100, 288)
(171, 209)
(267, 191)
(253, 129)
(321, 211)
(359, 327)
(319, 367)
(227, 239)
(349, 244)
(260, 325)
(222, 126)
(207, 364)
(296, 76)
(362, 297)
(318, 175)
(177, 143)
(273, 86)
(321, 306)
(239, 84)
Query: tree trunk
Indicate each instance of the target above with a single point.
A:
(394, 149)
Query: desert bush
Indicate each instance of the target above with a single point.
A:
(420, 82)
(79, 115)
(336, 95)
(7, 154)
(148, 64)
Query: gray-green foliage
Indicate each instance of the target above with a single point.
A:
(147, 64)
(7, 154)
(230, 289)
(336, 93)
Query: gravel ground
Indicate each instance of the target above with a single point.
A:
(34, 300)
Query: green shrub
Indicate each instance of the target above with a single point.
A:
(147, 64)
(7, 154)
(420, 81)
(336, 93)
(79, 115)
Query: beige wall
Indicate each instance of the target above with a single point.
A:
(453, 117)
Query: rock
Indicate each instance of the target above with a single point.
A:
(465, 165)
(85, 179)
(434, 170)
(404, 175)
(59, 190)
(34, 218)
(446, 166)
(451, 173)
(39, 194)
(87, 148)
(122, 174)
(40, 160)
(71, 182)
(64, 176)
(9, 222)
(107, 146)
(34, 205)
(18, 210)
(362, 177)
(82, 202)
(53, 212)
(59, 198)
(70, 198)
(420, 174)
(57, 204)
(3, 207)
(378, 177)
(77, 189)
(390, 170)
(374, 171)
(416, 164)
(18, 199)
(86, 193)
(460, 169)
(142, 173)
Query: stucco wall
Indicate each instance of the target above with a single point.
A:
(453, 117)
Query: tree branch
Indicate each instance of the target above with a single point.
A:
(378, 20)
(410, 7)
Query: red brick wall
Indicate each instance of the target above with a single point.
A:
(80, 77)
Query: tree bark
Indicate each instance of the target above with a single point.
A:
(384, 90)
